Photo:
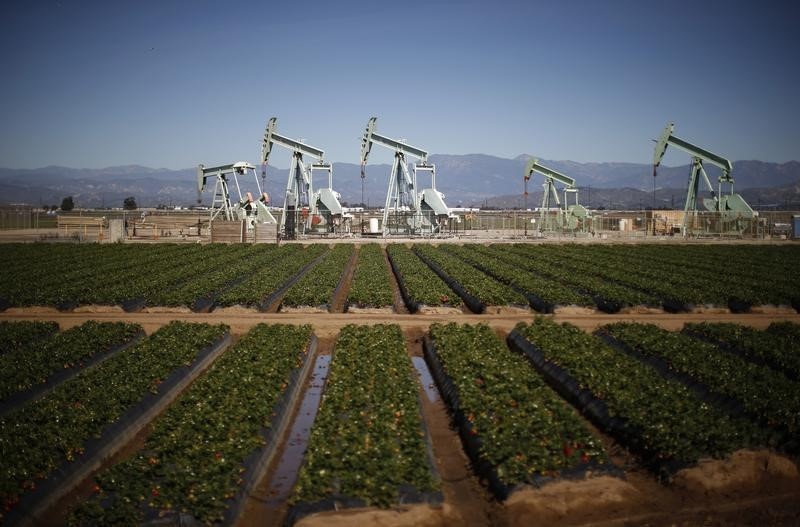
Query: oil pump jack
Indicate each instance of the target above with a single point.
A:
(571, 217)
(302, 207)
(419, 211)
(735, 213)
(247, 208)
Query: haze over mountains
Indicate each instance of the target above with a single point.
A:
(466, 180)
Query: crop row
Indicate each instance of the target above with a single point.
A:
(749, 271)
(367, 442)
(675, 276)
(608, 295)
(14, 335)
(422, 286)
(241, 261)
(371, 286)
(766, 394)
(546, 291)
(777, 347)
(617, 267)
(50, 431)
(68, 283)
(86, 289)
(668, 423)
(317, 286)
(255, 290)
(477, 284)
(681, 273)
(25, 367)
(525, 430)
(194, 460)
(152, 278)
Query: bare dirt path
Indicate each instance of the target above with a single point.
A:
(329, 323)
(346, 281)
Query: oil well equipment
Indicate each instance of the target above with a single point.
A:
(567, 218)
(733, 213)
(305, 210)
(247, 208)
(408, 209)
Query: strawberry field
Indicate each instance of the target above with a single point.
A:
(175, 384)
(611, 278)
(541, 408)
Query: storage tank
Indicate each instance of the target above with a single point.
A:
(373, 226)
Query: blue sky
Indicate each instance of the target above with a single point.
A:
(176, 83)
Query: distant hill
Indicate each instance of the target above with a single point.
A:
(466, 180)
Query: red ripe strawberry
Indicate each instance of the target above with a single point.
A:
(584, 458)
(567, 450)
(155, 492)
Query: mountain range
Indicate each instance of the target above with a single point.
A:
(466, 180)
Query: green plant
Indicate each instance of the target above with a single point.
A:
(526, 429)
(192, 461)
(367, 439)
(371, 286)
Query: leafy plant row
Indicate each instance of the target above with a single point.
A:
(679, 276)
(608, 295)
(52, 430)
(67, 283)
(673, 426)
(679, 272)
(367, 442)
(83, 280)
(194, 460)
(153, 277)
(525, 429)
(29, 365)
(763, 392)
(421, 284)
(242, 260)
(257, 288)
(316, 288)
(745, 269)
(548, 291)
(371, 286)
(778, 347)
(38, 257)
(112, 271)
(785, 330)
(14, 335)
(618, 267)
(486, 289)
